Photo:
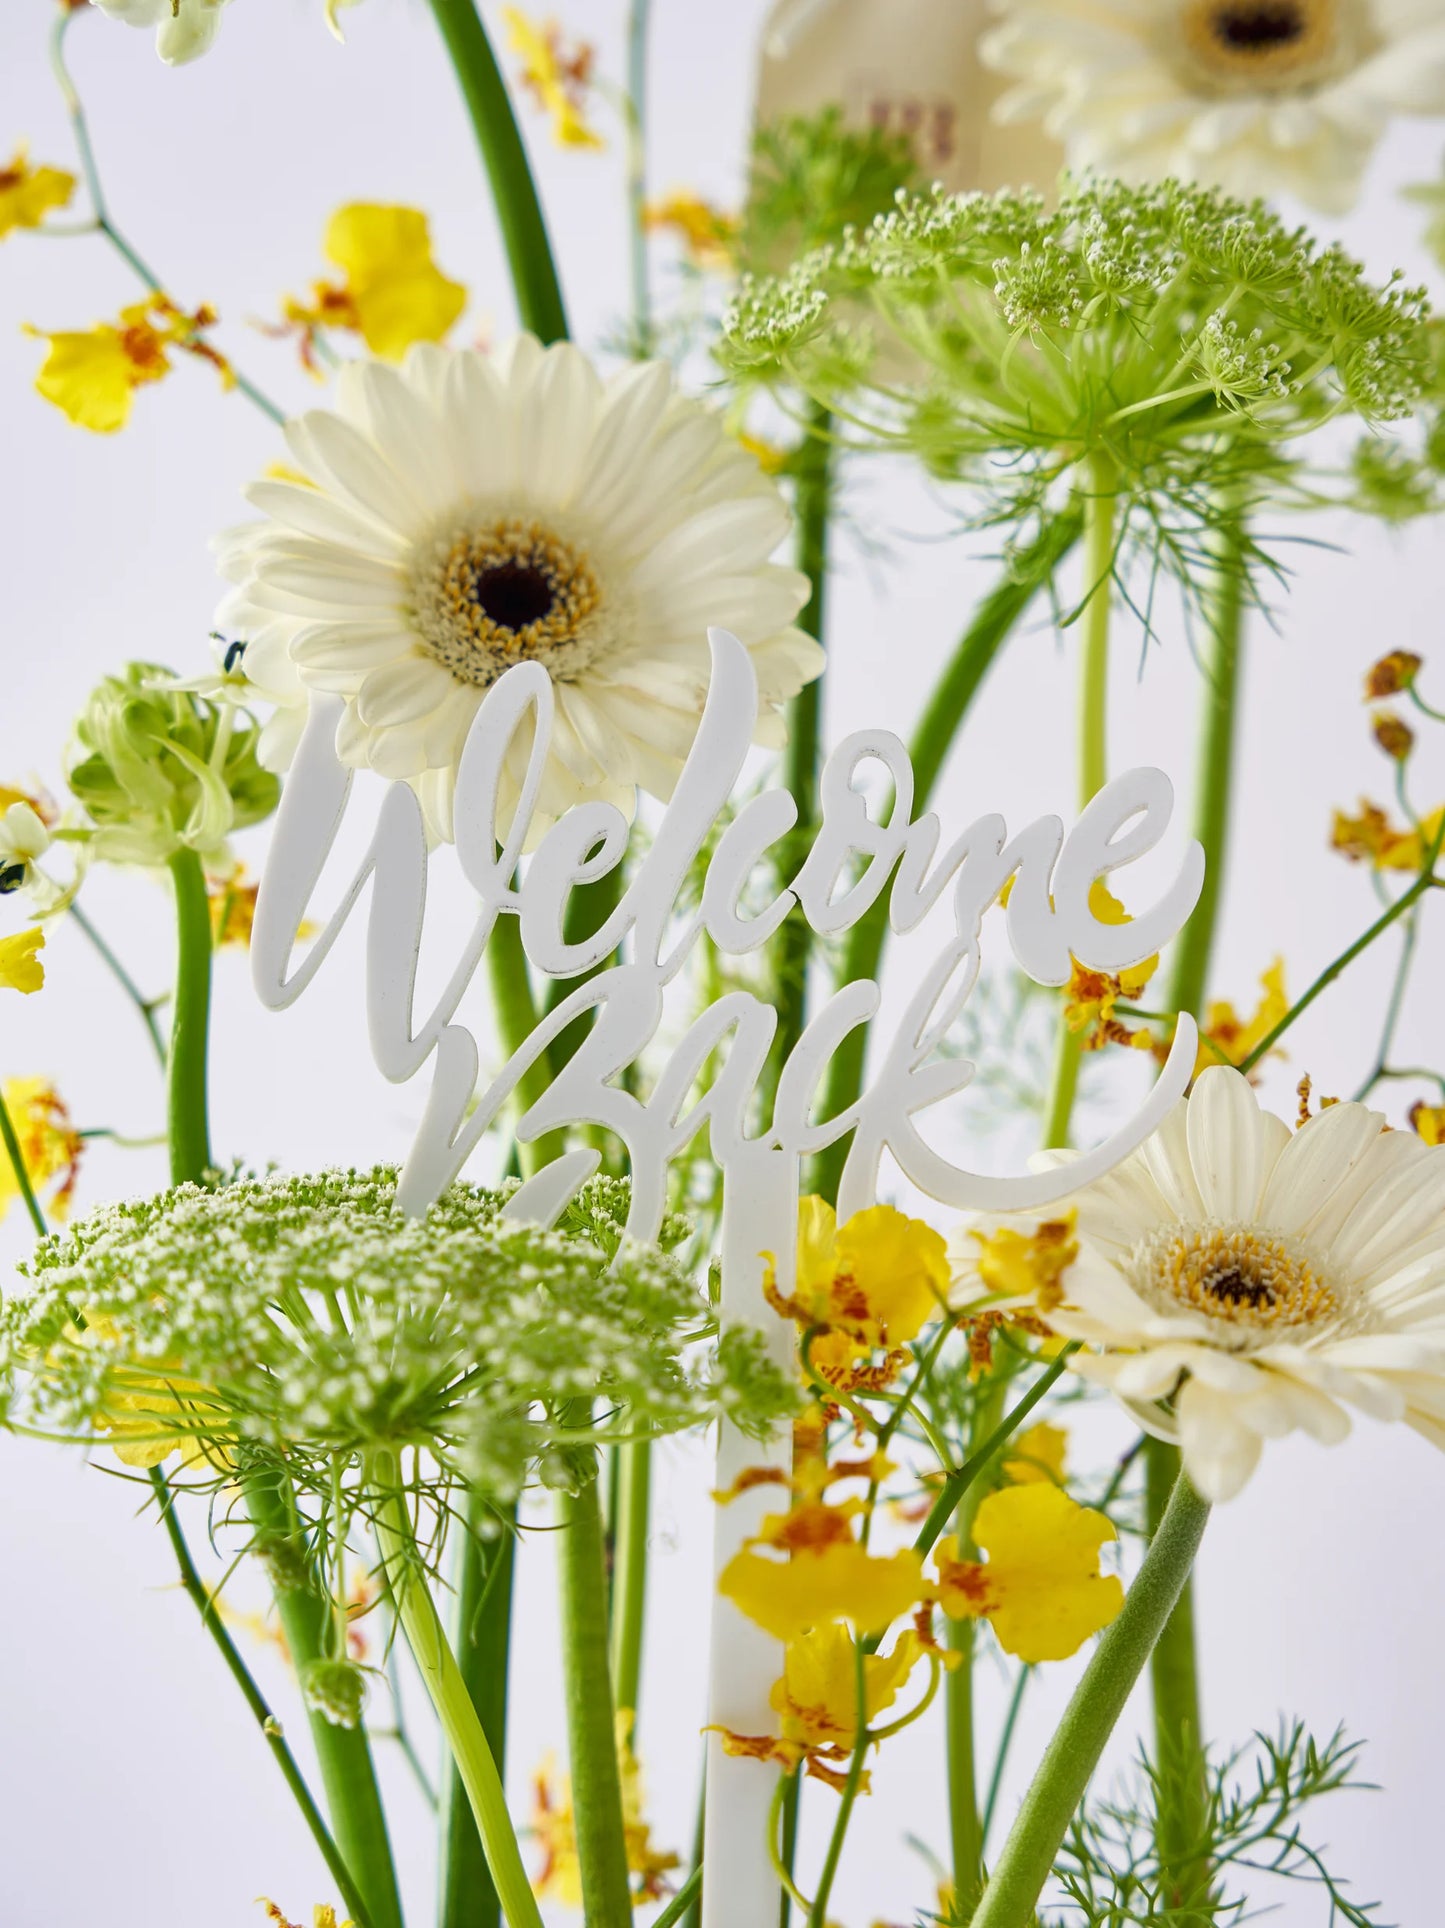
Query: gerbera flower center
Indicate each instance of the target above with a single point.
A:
(1242, 1275)
(509, 591)
(1272, 44)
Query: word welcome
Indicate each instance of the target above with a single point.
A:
(852, 860)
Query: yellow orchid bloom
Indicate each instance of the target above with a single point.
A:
(323, 1915)
(21, 969)
(554, 1827)
(707, 234)
(840, 1581)
(1038, 1456)
(817, 1696)
(49, 1145)
(1428, 1122)
(558, 79)
(1013, 1265)
(28, 194)
(1090, 995)
(1041, 1588)
(877, 1279)
(92, 374)
(1371, 837)
(393, 293)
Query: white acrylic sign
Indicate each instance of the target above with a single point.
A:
(853, 859)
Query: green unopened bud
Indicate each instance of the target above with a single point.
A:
(334, 1689)
(160, 768)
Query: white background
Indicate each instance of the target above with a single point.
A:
(131, 1788)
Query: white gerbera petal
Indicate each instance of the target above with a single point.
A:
(1315, 1163)
(467, 512)
(1232, 1143)
(1220, 1451)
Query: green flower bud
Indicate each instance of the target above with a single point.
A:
(334, 1689)
(160, 768)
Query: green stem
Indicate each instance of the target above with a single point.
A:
(514, 193)
(514, 1007)
(127, 983)
(20, 1169)
(818, 1913)
(629, 1570)
(638, 20)
(1099, 504)
(1005, 1741)
(187, 1127)
(343, 1753)
(468, 1897)
(793, 944)
(591, 1731)
(1183, 1794)
(75, 108)
(1425, 881)
(959, 1481)
(1183, 1783)
(1214, 778)
(965, 1827)
(932, 740)
(443, 1681)
(683, 1902)
(1057, 1788)
(270, 1727)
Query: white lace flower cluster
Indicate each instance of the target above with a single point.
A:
(307, 1318)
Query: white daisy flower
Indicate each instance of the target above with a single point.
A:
(1261, 1280)
(184, 28)
(466, 512)
(1254, 96)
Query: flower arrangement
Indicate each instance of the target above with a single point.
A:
(560, 622)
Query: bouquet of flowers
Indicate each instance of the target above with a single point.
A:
(967, 1278)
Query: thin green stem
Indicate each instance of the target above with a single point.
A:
(343, 1753)
(1099, 505)
(793, 946)
(965, 1827)
(1215, 770)
(442, 1678)
(683, 1901)
(638, 21)
(187, 1125)
(20, 1169)
(1181, 1822)
(1394, 1006)
(467, 1896)
(818, 1914)
(514, 193)
(591, 1729)
(195, 1590)
(514, 1007)
(146, 1007)
(1005, 1742)
(1425, 881)
(1023, 1866)
(629, 1570)
(934, 737)
(104, 224)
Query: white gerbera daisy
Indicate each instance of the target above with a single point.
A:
(1255, 96)
(466, 512)
(1260, 1280)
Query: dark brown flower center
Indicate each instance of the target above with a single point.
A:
(506, 591)
(1274, 45)
(1260, 27)
(514, 594)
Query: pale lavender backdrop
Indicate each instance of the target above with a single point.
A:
(131, 1787)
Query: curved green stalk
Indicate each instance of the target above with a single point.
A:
(467, 1896)
(145, 1008)
(514, 193)
(853, 1780)
(629, 1570)
(1023, 1866)
(964, 1823)
(934, 737)
(343, 1753)
(20, 1169)
(187, 1124)
(195, 1591)
(1100, 503)
(638, 20)
(1183, 1795)
(591, 1730)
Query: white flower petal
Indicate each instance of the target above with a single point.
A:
(1316, 1161)
(1220, 1451)
(1233, 1145)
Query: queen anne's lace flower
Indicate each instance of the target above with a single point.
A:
(307, 1318)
